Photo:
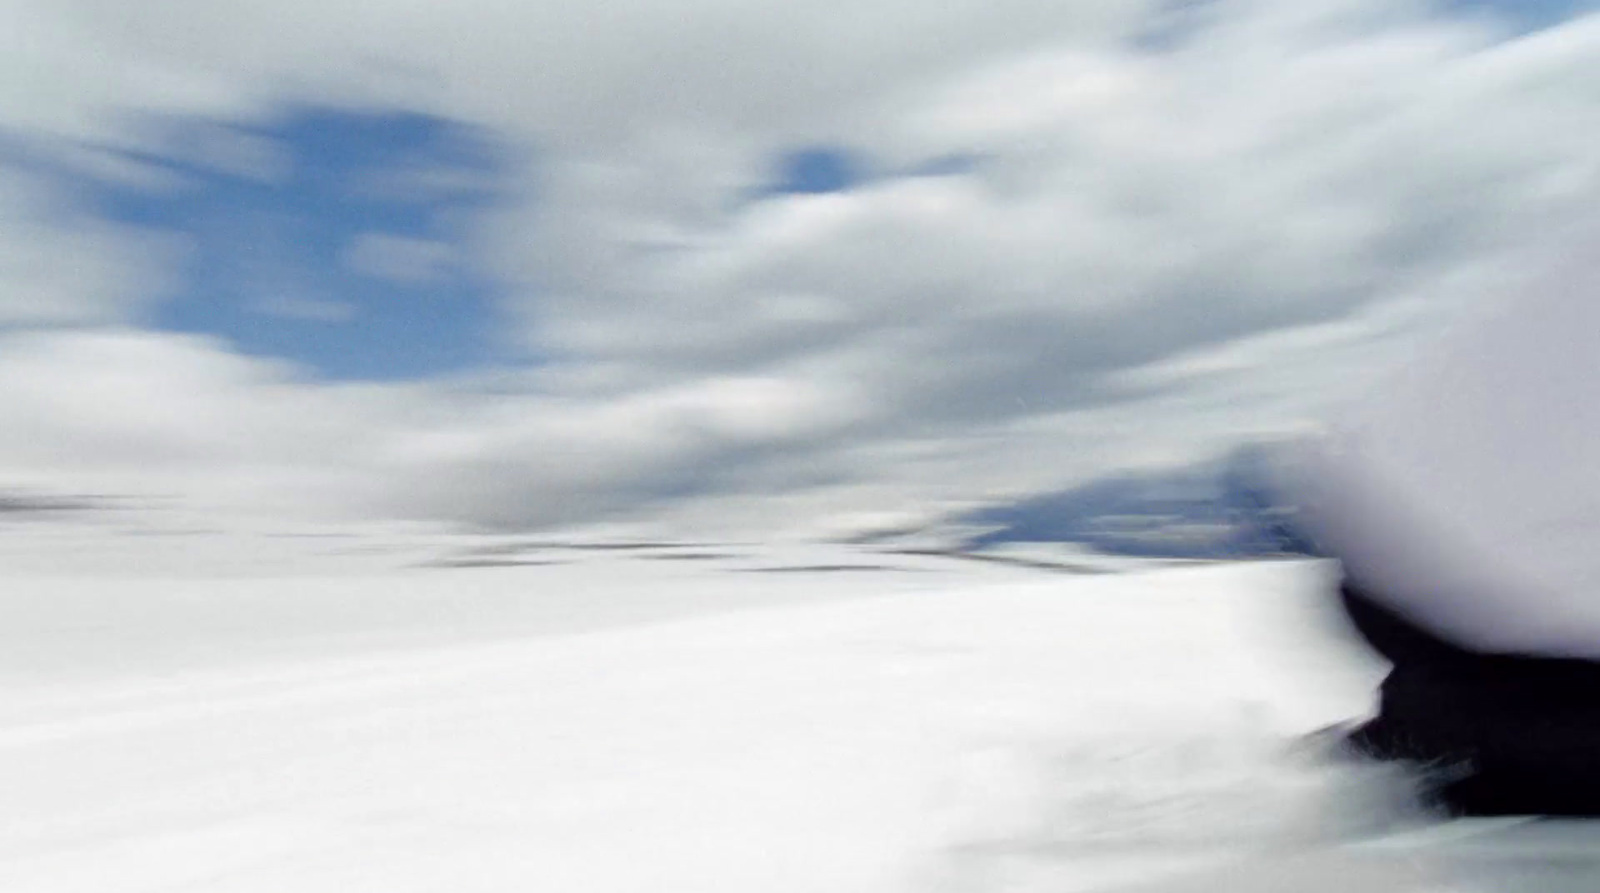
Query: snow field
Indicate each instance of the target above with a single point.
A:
(973, 731)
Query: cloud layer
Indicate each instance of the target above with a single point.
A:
(1080, 238)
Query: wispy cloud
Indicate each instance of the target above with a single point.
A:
(405, 260)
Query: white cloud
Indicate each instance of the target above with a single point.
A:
(141, 414)
(231, 151)
(60, 265)
(1287, 169)
(1152, 252)
(401, 259)
(575, 74)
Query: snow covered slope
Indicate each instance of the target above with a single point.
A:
(614, 724)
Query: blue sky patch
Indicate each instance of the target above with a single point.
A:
(818, 170)
(1525, 15)
(333, 238)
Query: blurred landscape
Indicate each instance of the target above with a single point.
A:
(646, 446)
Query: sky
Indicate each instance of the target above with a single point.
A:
(751, 266)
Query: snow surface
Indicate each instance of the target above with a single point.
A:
(789, 719)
